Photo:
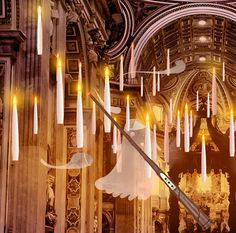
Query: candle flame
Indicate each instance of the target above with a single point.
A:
(14, 99)
(191, 112)
(203, 137)
(58, 62)
(186, 107)
(106, 73)
(178, 113)
(79, 87)
(147, 118)
(39, 10)
(114, 118)
(231, 112)
(35, 100)
(127, 98)
(121, 57)
(80, 64)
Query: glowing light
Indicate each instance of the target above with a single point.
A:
(79, 119)
(39, 32)
(15, 132)
(202, 22)
(202, 39)
(202, 59)
(121, 73)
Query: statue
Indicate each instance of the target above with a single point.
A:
(50, 212)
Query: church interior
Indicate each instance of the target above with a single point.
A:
(117, 116)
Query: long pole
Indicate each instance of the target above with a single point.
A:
(202, 219)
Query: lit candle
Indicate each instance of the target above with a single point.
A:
(15, 132)
(171, 111)
(208, 105)
(127, 114)
(214, 93)
(203, 160)
(154, 153)
(154, 82)
(107, 102)
(223, 71)
(35, 115)
(197, 102)
(132, 66)
(119, 154)
(94, 119)
(191, 124)
(178, 130)
(121, 73)
(80, 73)
(158, 81)
(79, 119)
(141, 87)
(39, 32)
(60, 93)
(186, 130)
(166, 141)
(168, 62)
(114, 138)
(148, 146)
(231, 135)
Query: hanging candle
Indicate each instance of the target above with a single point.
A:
(191, 124)
(158, 81)
(197, 102)
(107, 102)
(132, 66)
(148, 146)
(168, 62)
(171, 111)
(39, 32)
(231, 135)
(15, 132)
(127, 114)
(203, 160)
(186, 130)
(35, 115)
(178, 134)
(119, 154)
(208, 105)
(223, 71)
(154, 82)
(166, 141)
(94, 118)
(114, 139)
(60, 93)
(121, 73)
(80, 73)
(79, 119)
(154, 152)
(214, 93)
(141, 87)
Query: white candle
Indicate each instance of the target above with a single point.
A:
(203, 160)
(107, 102)
(191, 124)
(166, 141)
(178, 134)
(35, 115)
(127, 114)
(121, 73)
(168, 62)
(119, 154)
(148, 147)
(60, 93)
(94, 119)
(171, 111)
(186, 130)
(214, 93)
(223, 71)
(197, 102)
(114, 138)
(141, 87)
(231, 135)
(79, 119)
(158, 81)
(154, 153)
(39, 32)
(80, 73)
(154, 82)
(132, 66)
(208, 105)
(15, 132)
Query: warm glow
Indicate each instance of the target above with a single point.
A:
(79, 87)
(147, 118)
(127, 98)
(231, 112)
(114, 118)
(35, 100)
(178, 113)
(202, 22)
(58, 62)
(202, 39)
(14, 100)
(214, 70)
(186, 107)
(106, 73)
(191, 112)
(203, 138)
(122, 58)
(39, 10)
(202, 59)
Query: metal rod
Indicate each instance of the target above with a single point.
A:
(202, 219)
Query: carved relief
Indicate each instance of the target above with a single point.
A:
(5, 12)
